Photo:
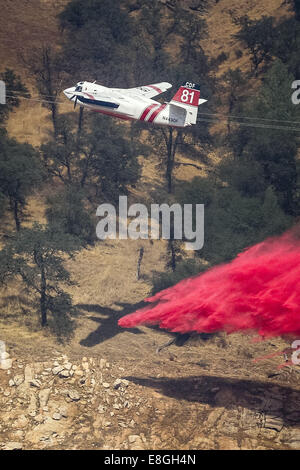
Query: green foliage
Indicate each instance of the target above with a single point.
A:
(66, 213)
(47, 67)
(233, 84)
(97, 36)
(274, 150)
(115, 165)
(183, 270)
(233, 221)
(15, 90)
(102, 156)
(61, 155)
(286, 44)
(35, 255)
(258, 36)
(61, 322)
(20, 172)
(296, 4)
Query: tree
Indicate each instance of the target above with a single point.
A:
(275, 150)
(61, 154)
(166, 142)
(234, 84)
(233, 221)
(35, 256)
(20, 172)
(15, 90)
(286, 44)
(67, 213)
(102, 156)
(97, 35)
(47, 68)
(296, 8)
(115, 164)
(258, 35)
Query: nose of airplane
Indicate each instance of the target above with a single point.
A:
(69, 92)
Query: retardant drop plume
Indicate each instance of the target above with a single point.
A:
(258, 291)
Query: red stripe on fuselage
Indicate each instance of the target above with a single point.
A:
(155, 88)
(155, 113)
(146, 111)
(90, 96)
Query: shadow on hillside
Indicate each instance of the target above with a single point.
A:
(16, 306)
(230, 393)
(108, 322)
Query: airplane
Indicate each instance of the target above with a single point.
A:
(137, 103)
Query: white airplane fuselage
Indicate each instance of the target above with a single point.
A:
(130, 104)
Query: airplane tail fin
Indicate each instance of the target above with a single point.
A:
(188, 97)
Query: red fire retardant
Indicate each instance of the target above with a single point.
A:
(258, 291)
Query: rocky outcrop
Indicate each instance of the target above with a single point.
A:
(89, 404)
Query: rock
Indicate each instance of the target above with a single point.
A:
(6, 364)
(273, 422)
(35, 383)
(64, 374)
(39, 418)
(4, 355)
(68, 366)
(33, 402)
(13, 446)
(56, 416)
(132, 438)
(44, 397)
(63, 411)
(117, 383)
(101, 409)
(28, 374)
(21, 422)
(11, 383)
(74, 395)
(19, 434)
(120, 382)
(294, 441)
(18, 379)
(102, 363)
(56, 370)
(105, 385)
(78, 372)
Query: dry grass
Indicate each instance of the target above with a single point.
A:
(221, 28)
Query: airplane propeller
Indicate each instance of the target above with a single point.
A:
(75, 102)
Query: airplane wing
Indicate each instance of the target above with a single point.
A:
(149, 91)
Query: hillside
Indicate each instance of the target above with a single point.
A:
(108, 388)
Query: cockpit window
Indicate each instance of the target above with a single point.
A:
(78, 88)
